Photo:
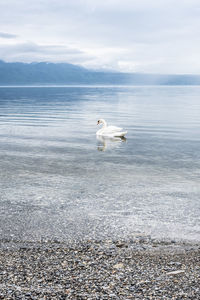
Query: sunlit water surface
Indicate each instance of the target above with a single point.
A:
(59, 182)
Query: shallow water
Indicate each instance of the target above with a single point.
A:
(59, 182)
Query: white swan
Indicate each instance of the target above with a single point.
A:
(109, 131)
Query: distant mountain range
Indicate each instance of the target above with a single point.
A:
(63, 73)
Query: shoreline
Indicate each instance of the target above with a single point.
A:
(137, 268)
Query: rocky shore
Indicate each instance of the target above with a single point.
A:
(135, 268)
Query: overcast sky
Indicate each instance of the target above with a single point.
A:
(156, 36)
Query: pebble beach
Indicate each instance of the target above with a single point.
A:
(135, 268)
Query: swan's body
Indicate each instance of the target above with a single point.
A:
(110, 131)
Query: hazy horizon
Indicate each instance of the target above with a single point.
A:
(101, 70)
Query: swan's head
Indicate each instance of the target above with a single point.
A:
(101, 121)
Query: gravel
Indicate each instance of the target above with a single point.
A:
(135, 268)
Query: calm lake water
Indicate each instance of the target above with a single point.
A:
(58, 181)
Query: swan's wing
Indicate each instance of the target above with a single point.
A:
(112, 129)
(120, 134)
(114, 134)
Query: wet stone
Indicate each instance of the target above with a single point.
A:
(100, 270)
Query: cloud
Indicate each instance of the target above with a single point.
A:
(5, 35)
(129, 35)
(29, 52)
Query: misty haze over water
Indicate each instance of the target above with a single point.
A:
(58, 181)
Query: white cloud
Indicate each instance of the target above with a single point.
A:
(29, 52)
(129, 35)
(5, 35)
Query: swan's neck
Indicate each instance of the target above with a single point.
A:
(104, 124)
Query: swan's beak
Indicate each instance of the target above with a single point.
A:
(97, 122)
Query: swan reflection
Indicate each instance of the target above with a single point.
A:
(105, 143)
